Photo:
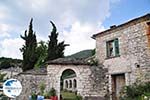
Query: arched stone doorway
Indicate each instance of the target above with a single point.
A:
(68, 81)
(55, 73)
(89, 79)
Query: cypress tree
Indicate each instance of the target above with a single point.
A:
(29, 49)
(55, 49)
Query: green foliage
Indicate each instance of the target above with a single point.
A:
(2, 76)
(55, 49)
(47, 95)
(145, 96)
(9, 62)
(79, 97)
(29, 49)
(34, 96)
(93, 62)
(3, 97)
(82, 54)
(42, 88)
(70, 96)
(6, 64)
(136, 91)
(52, 92)
(41, 54)
(93, 51)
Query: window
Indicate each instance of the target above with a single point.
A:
(112, 48)
(66, 84)
(70, 84)
(75, 83)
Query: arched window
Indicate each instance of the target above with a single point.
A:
(74, 83)
(70, 84)
(66, 82)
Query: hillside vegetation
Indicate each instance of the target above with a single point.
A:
(9, 62)
(82, 54)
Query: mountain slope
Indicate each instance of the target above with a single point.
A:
(82, 54)
(9, 62)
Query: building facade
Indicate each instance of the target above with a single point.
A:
(125, 51)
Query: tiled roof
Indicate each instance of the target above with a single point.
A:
(68, 61)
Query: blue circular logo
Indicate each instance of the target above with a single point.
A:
(12, 88)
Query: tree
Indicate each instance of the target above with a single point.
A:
(55, 49)
(29, 49)
(41, 53)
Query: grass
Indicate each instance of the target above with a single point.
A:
(68, 95)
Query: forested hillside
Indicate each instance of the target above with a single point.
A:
(9, 62)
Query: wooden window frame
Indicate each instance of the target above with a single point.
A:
(116, 49)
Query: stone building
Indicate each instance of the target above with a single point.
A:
(123, 56)
(90, 80)
(125, 51)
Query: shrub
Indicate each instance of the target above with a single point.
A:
(135, 91)
(52, 92)
(34, 96)
(79, 97)
(42, 88)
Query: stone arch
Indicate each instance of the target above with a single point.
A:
(86, 78)
(69, 78)
(59, 74)
(75, 69)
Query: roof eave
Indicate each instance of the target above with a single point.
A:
(121, 25)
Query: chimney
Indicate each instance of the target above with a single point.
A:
(113, 26)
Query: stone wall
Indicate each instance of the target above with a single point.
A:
(134, 59)
(11, 71)
(91, 80)
(30, 84)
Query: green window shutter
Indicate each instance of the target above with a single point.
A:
(107, 50)
(116, 46)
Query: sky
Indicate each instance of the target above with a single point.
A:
(76, 21)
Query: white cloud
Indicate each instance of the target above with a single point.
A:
(10, 48)
(79, 37)
(4, 30)
(76, 21)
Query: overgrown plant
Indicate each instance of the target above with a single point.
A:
(2, 76)
(52, 92)
(42, 88)
(79, 97)
(33, 96)
(135, 91)
(93, 62)
(2, 96)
